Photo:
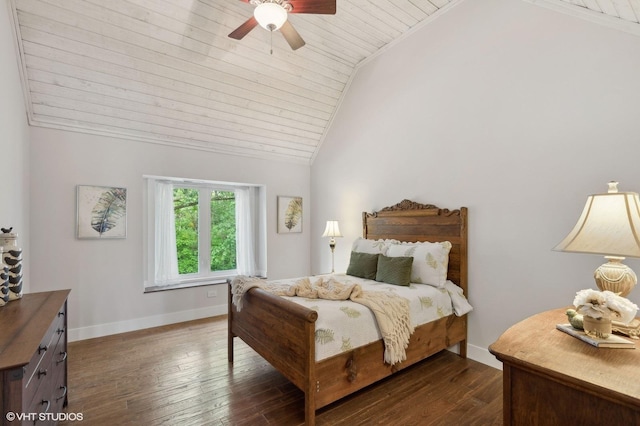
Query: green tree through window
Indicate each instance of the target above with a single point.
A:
(186, 203)
(223, 231)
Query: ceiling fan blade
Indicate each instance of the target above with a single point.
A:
(320, 7)
(244, 29)
(291, 35)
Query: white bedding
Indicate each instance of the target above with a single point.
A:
(344, 325)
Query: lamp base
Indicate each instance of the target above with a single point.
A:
(615, 276)
(332, 246)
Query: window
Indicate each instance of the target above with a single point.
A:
(199, 247)
(201, 232)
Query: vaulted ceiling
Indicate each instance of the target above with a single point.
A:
(164, 71)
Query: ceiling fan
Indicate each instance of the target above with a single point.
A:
(272, 16)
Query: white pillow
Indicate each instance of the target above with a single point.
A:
(362, 245)
(430, 261)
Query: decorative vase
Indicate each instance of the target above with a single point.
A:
(4, 281)
(12, 256)
(597, 327)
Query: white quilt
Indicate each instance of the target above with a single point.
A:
(344, 325)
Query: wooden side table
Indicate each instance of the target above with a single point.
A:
(551, 378)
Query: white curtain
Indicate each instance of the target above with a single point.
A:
(246, 229)
(165, 235)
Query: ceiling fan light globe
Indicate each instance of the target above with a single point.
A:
(270, 16)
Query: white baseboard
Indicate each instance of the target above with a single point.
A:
(145, 322)
(483, 355)
(479, 354)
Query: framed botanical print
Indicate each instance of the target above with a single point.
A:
(101, 212)
(289, 215)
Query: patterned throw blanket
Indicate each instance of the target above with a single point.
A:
(390, 310)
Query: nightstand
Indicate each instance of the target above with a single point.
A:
(551, 378)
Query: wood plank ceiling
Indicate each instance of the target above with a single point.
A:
(627, 10)
(164, 71)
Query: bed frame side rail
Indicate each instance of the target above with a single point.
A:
(282, 332)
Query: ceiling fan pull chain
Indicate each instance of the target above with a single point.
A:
(271, 37)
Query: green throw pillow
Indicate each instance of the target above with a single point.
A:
(394, 270)
(363, 265)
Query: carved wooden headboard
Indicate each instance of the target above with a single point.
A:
(411, 221)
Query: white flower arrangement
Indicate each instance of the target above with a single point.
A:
(605, 304)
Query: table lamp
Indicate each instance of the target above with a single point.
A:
(609, 226)
(332, 230)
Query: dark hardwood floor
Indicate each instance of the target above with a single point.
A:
(179, 375)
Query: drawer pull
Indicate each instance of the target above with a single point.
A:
(64, 393)
(42, 348)
(64, 357)
(42, 373)
(61, 313)
(60, 330)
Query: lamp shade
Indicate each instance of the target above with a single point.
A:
(270, 16)
(332, 229)
(609, 225)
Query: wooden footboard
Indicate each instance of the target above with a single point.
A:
(283, 333)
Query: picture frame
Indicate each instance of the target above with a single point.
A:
(289, 215)
(101, 212)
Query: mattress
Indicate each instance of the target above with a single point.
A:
(344, 325)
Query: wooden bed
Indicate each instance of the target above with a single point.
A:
(283, 332)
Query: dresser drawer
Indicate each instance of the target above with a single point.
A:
(49, 337)
(31, 369)
(50, 399)
(42, 365)
(39, 407)
(59, 389)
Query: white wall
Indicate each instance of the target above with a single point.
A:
(510, 109)
(106, 276)
(14, 144)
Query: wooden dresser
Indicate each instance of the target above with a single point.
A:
(33, 358)
(551, 378)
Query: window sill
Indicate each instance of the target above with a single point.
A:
(157, 288)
